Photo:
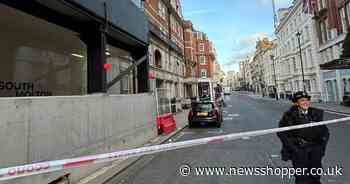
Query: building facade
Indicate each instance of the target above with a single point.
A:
(166, 50)
(191, 59)
(332, 24)
(244, 74)
(219, 74)
(269, 68)
(258, 65)
(288, 59)
(206, 56)
(200, 56)
(232, 80)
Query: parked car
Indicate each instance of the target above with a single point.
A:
(204, 113)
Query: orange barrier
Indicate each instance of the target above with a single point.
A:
(166, 123)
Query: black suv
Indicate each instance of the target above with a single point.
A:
(204, 112)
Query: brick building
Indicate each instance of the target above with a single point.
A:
(200, 54)
(190, 58)
(206, 56)
(166, 49)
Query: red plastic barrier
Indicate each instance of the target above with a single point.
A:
(166, 123)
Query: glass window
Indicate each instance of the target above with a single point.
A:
(203, 73)
(39, 58)
(202, 60)
(307, 33)
(347, 9)
(308, 85)
(305, 59)
(294, 64)
(162, 10)
(343, 19)
(311, 59)
(201, 47)
(119, 61)
(323, 30)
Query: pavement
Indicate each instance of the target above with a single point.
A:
(103, 174)
(242, 113)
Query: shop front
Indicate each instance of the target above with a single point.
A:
(61, 48)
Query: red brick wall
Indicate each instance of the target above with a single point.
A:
(151, 9)
(209, 64)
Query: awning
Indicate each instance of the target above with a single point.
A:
(337, 64)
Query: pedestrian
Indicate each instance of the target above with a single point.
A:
(304, 147)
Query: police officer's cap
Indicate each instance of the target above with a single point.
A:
(300, 94)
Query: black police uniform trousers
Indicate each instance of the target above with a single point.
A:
(308, 157)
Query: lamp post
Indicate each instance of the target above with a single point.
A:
(274, 73)
(301, 60)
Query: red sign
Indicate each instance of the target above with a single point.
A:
(151, 75)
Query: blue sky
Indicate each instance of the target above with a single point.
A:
(232, 25)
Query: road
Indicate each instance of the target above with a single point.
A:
(242, 113)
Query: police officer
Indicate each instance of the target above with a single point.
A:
(305, 147)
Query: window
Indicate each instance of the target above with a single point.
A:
(347, 9)
(119, 61)
(202, 60)
(201, 47)
(172, 23)
(297, 85)
(307, 33)
(161, 10)
(311, 59)
(294, 64)
(203, 73)
(158, 59)
(35, 61)
(343, 19)
(199, 36)
(328, 31)
(323, 30)
(305, 59)
(321, 4)
(173, 3)
(308, 85)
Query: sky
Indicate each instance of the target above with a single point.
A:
(233, 26)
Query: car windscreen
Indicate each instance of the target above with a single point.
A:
(203, 107)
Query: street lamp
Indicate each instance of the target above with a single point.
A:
(274, 73)
(301, 60)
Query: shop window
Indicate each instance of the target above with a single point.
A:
(39, 58)
(119, 60)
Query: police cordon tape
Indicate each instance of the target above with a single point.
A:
(51, 166)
